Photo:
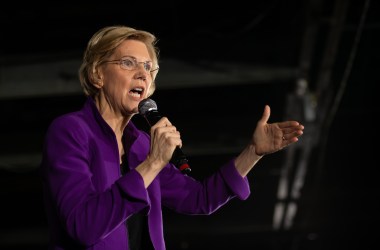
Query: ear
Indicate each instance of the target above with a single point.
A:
(97, 79)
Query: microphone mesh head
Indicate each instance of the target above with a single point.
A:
(147, 105)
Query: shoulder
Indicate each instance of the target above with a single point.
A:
(68, 121)
(69, 126)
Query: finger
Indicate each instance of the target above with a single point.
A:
(173, 139)
(266, 114)
(289, 124)
(168, 129)
(291, 135)
(163, 122)
(286, 140)
(289, 130)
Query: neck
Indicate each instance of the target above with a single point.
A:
(115, 119)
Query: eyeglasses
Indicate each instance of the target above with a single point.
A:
(130, 63)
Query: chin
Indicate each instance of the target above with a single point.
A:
(135, 111)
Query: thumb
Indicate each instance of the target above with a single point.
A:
(266, 114)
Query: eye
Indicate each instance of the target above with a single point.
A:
(148, 66)
(128, 63)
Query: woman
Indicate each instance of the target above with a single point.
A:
(99, 169)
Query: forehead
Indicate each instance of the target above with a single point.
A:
(133, 48)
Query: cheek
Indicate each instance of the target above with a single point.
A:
(151, 88)
(118, 83)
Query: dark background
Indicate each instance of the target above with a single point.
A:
(220, 64)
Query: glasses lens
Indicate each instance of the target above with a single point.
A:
(148, 66)
(128, 63)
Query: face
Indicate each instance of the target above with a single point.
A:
(123, 89)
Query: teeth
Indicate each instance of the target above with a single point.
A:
(136, 92)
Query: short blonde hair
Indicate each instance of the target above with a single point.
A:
(102, 44)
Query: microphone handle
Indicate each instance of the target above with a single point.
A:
(180, 161)
(178, 158)
(152, 117)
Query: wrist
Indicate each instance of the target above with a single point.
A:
(247, 159)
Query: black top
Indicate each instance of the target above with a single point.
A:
(138, 232)
(137, 224)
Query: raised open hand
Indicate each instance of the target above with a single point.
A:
(271, 137)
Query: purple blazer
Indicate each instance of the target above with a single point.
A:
(88, 201)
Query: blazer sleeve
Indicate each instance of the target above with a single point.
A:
(186, 195)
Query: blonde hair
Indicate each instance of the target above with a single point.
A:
(102, 44)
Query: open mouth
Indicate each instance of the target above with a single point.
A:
(136, 92)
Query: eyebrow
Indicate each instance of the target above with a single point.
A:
(134, 58)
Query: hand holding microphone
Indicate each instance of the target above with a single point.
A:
(148, 109)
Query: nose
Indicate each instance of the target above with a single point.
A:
(141, 74)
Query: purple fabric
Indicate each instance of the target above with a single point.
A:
(88, 201)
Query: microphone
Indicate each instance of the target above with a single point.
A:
(148, 109)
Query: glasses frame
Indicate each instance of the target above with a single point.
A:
(120, 62)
